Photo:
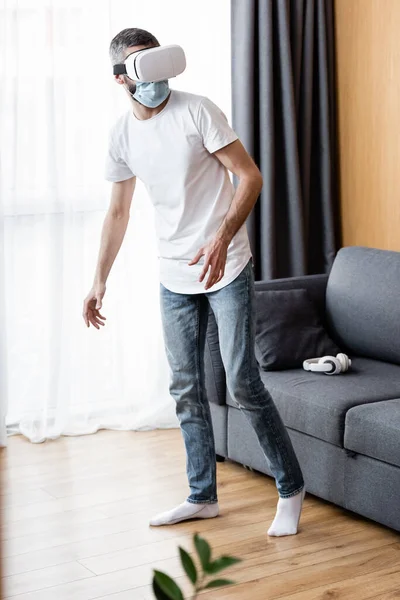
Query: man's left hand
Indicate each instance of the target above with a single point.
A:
(215, 259)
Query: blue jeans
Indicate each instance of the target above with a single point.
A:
(185, 319)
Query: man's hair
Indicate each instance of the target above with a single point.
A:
(127, 38)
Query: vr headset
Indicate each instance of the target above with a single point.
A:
(153, 64)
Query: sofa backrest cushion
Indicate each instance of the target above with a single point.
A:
(363, 302)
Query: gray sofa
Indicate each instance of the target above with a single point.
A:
(345, 428)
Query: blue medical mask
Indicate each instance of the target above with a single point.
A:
(151, 94)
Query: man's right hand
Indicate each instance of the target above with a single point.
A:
(92, 304)
(112, 234)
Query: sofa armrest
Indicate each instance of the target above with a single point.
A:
(314, 284)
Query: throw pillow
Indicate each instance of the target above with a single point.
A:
(289, 330)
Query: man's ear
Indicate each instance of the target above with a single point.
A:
(119, 79)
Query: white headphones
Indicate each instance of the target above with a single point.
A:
(330, 365)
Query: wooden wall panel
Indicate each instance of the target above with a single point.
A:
(368, 78)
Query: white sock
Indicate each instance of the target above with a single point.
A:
(287, 515)
(187, 510)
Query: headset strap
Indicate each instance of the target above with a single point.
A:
(119, 69)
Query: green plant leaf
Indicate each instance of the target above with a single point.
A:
(188, 565)
(168, 586)
(159, 594)
(203, 550)
(221, 563)
(218, 583)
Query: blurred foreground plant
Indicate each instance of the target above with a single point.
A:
(165, 588)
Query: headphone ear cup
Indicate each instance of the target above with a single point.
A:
(344, 361)
(336, 365)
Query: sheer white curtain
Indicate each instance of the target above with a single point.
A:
(58, 101)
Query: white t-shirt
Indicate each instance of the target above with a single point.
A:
(171, 154)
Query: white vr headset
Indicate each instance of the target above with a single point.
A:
(153, 64)
(330, 365)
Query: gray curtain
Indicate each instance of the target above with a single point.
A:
(283, 93)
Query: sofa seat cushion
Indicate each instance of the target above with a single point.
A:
(316, 404)
(374, 430)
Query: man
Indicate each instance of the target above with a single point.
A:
(181, 146)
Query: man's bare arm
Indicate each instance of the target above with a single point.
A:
(235, 158)
(112, 235)
(114, 227)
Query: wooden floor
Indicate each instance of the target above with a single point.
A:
(75, 514)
